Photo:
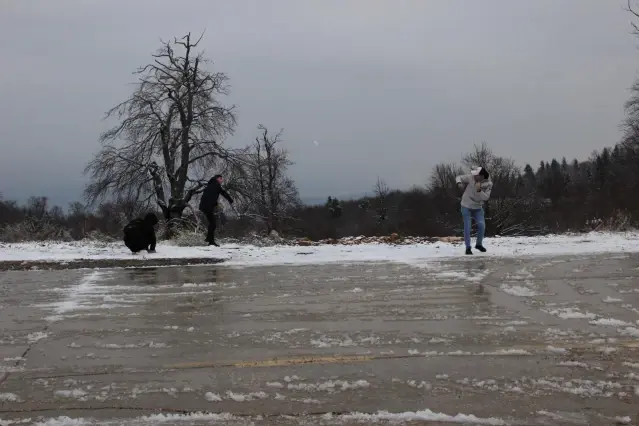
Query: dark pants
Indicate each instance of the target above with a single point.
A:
(210, 234)
(134, 244)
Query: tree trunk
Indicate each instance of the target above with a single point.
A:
(172, 214)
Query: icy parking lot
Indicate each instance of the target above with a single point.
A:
(482, 340)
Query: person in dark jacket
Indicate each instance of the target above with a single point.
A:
(139, 234)
(208, 205)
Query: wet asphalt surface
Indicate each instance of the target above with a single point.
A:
(521, 341)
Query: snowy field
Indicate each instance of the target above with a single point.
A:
(246, 255)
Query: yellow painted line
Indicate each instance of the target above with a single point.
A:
(349, 359)
(277, 362)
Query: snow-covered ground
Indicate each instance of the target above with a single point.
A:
(246, 255)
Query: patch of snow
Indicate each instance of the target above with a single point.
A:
(241, 397)
(489, 384)
(195, 285)
(9, 397)
(506, 352)
(580, 387)
(63, 421)
(296, 330)
(34, 337)
(556, 350)
(569, 313)
(75, 393)
(150, 344)
(114, 346)
(422, 415)
(556, 333)
(438, 340)
(329, 342)
(329, 386)
(632, 376)
(519, 291)
(213, 397)
(606, 350)
(179, 418)
(476, 276)
(609, 299)
(573, 364)
(610, 322)
(420, 385)
(630, 331)
(631, 364)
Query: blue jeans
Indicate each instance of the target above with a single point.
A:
(478, 215)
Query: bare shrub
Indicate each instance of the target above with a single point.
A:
(32, 229)
(620, 221)
(188, 238)
(186, 231)
(100, 237)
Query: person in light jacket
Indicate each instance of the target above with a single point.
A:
(477, 187)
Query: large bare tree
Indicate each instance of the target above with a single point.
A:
(169, 135)
(269, 192)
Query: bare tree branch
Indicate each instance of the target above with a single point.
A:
(635, 14)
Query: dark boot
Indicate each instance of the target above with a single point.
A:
(213, 243)
(481, 249)
(468, 250)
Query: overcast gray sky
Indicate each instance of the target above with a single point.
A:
(387, 88)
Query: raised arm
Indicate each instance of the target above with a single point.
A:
(226, 195)
(463, 179)
(484, 194)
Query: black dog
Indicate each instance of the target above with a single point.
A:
(139, 234)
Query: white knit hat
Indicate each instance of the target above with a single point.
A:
(475, 170)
